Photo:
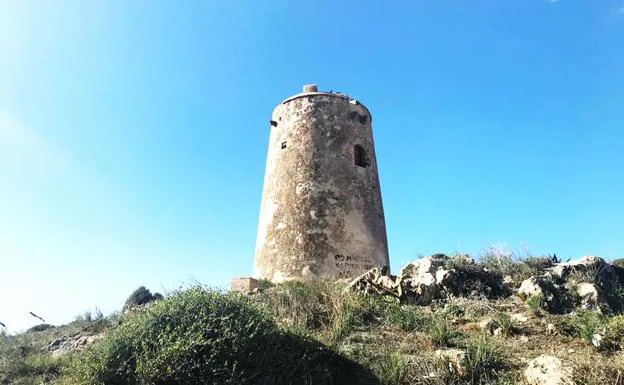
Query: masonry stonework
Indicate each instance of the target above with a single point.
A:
(321, 214)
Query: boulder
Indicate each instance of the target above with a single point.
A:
(589, 297)
(589, 264)
(531, 287)
(548, 370)
(424, 265)
(423, 289)
(557, 298)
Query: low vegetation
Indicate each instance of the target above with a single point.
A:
(320, 333)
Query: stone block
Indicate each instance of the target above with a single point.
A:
(243, 284)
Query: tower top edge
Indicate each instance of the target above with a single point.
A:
(337, 95)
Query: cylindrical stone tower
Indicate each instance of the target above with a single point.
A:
(321, 214)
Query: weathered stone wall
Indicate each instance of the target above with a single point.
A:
(321, 214)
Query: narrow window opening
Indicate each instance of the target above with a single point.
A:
(283, 145)
(273, 123)
(359, 155)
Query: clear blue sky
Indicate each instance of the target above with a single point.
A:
(133, 134)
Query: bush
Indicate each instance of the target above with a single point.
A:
(503, 261)
(202, 336)
(537, 264)
(140, 297)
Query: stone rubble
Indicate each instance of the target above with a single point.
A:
(556, 287)
(70, 344)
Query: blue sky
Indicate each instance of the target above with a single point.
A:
(133, 135)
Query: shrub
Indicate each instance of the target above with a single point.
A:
(458, 262)
(538, 263)
(139, 297)
(200, 335)
(503, 261)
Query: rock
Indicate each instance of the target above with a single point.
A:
(424, 265)
(67, 345)
(557, 298)
(597, 341)
(378, 281)
(588, 295)
(520, 318)
(548, 370)
(584, 264)
(424, 289)
(524, 338)
(456, 359)
(530, 287)
(508, 280)
(444, 277)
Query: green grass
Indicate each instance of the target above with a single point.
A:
(506, 323)
(201, 334)
(586, 324)
(536, 304)
(22, 360)
(441, 333)
(391, 368)
(407, 317)
(484, 360)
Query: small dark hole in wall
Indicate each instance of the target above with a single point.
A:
(363, 119)
(352, 115)
(359, 155)
(283, 145)
(273, 123)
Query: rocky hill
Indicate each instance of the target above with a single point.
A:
(441, 320)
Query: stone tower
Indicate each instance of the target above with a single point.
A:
(321, 214)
